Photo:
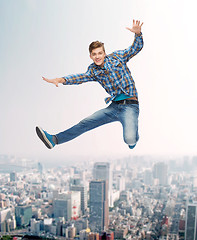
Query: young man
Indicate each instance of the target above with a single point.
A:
(113, 74)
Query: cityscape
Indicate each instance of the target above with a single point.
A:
(134, 197)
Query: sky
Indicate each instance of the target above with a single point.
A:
(50, 38)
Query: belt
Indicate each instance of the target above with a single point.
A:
(125, 101)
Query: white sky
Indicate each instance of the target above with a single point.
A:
(50, 38)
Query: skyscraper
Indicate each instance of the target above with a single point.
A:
(148, 177)
(23, 215)
(40, 168)
(99, 208)
(102, 171)
(83, 190)
(160, 171)
(12, 176)
(191, 221)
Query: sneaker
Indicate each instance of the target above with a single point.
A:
(46, 138)
(131, 147)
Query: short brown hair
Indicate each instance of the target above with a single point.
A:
(95, 45)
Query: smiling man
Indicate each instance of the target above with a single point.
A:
(113, 74)
(97, 53)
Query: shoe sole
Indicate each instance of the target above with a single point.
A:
(43, 137)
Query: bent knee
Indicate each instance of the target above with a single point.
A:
(130, 140)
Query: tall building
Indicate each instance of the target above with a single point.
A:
(40, 168)
(67, 205)
(191, 221)
(23, 215)
(5, 214)
(83, 190)
(148, 177)
(12, 176)
(35, 226)
(160, 171)
(60, 208)
(99, 207)
(103, 171)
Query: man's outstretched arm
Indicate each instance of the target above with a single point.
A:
(137, 45)
(72, 79)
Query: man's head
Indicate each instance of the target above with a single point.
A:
(97, 53)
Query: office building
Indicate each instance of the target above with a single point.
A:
(67, 205)
(103, 171)
(191, 221)
(5, 214)
(40, 168)
(23, 215)
(160, 172)
(148, 177)
(83, 190)
(13, 176)
(35, 226)
(99, 207)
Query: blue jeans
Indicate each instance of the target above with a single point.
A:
(126, 114)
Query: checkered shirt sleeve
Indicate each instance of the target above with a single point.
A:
(131, 51)
(79, 78)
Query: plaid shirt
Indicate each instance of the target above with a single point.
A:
(115, 77)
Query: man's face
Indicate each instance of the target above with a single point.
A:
(98, 56)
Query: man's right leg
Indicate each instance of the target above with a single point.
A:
(95, 120)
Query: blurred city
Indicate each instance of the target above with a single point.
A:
(135, 197)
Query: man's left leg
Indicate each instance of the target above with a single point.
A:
(129, 120)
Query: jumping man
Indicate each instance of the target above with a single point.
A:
(113, 74)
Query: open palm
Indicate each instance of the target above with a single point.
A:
(136, 28)
(54, 81)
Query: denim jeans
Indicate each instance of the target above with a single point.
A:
(126, 114)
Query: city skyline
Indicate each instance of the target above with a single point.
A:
(156, 201)
(50, 38)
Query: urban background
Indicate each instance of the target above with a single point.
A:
(131, 198)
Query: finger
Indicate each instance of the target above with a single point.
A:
(141, 24)
(128, 28)
(133, 21)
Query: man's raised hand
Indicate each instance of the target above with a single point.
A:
(136, 28)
